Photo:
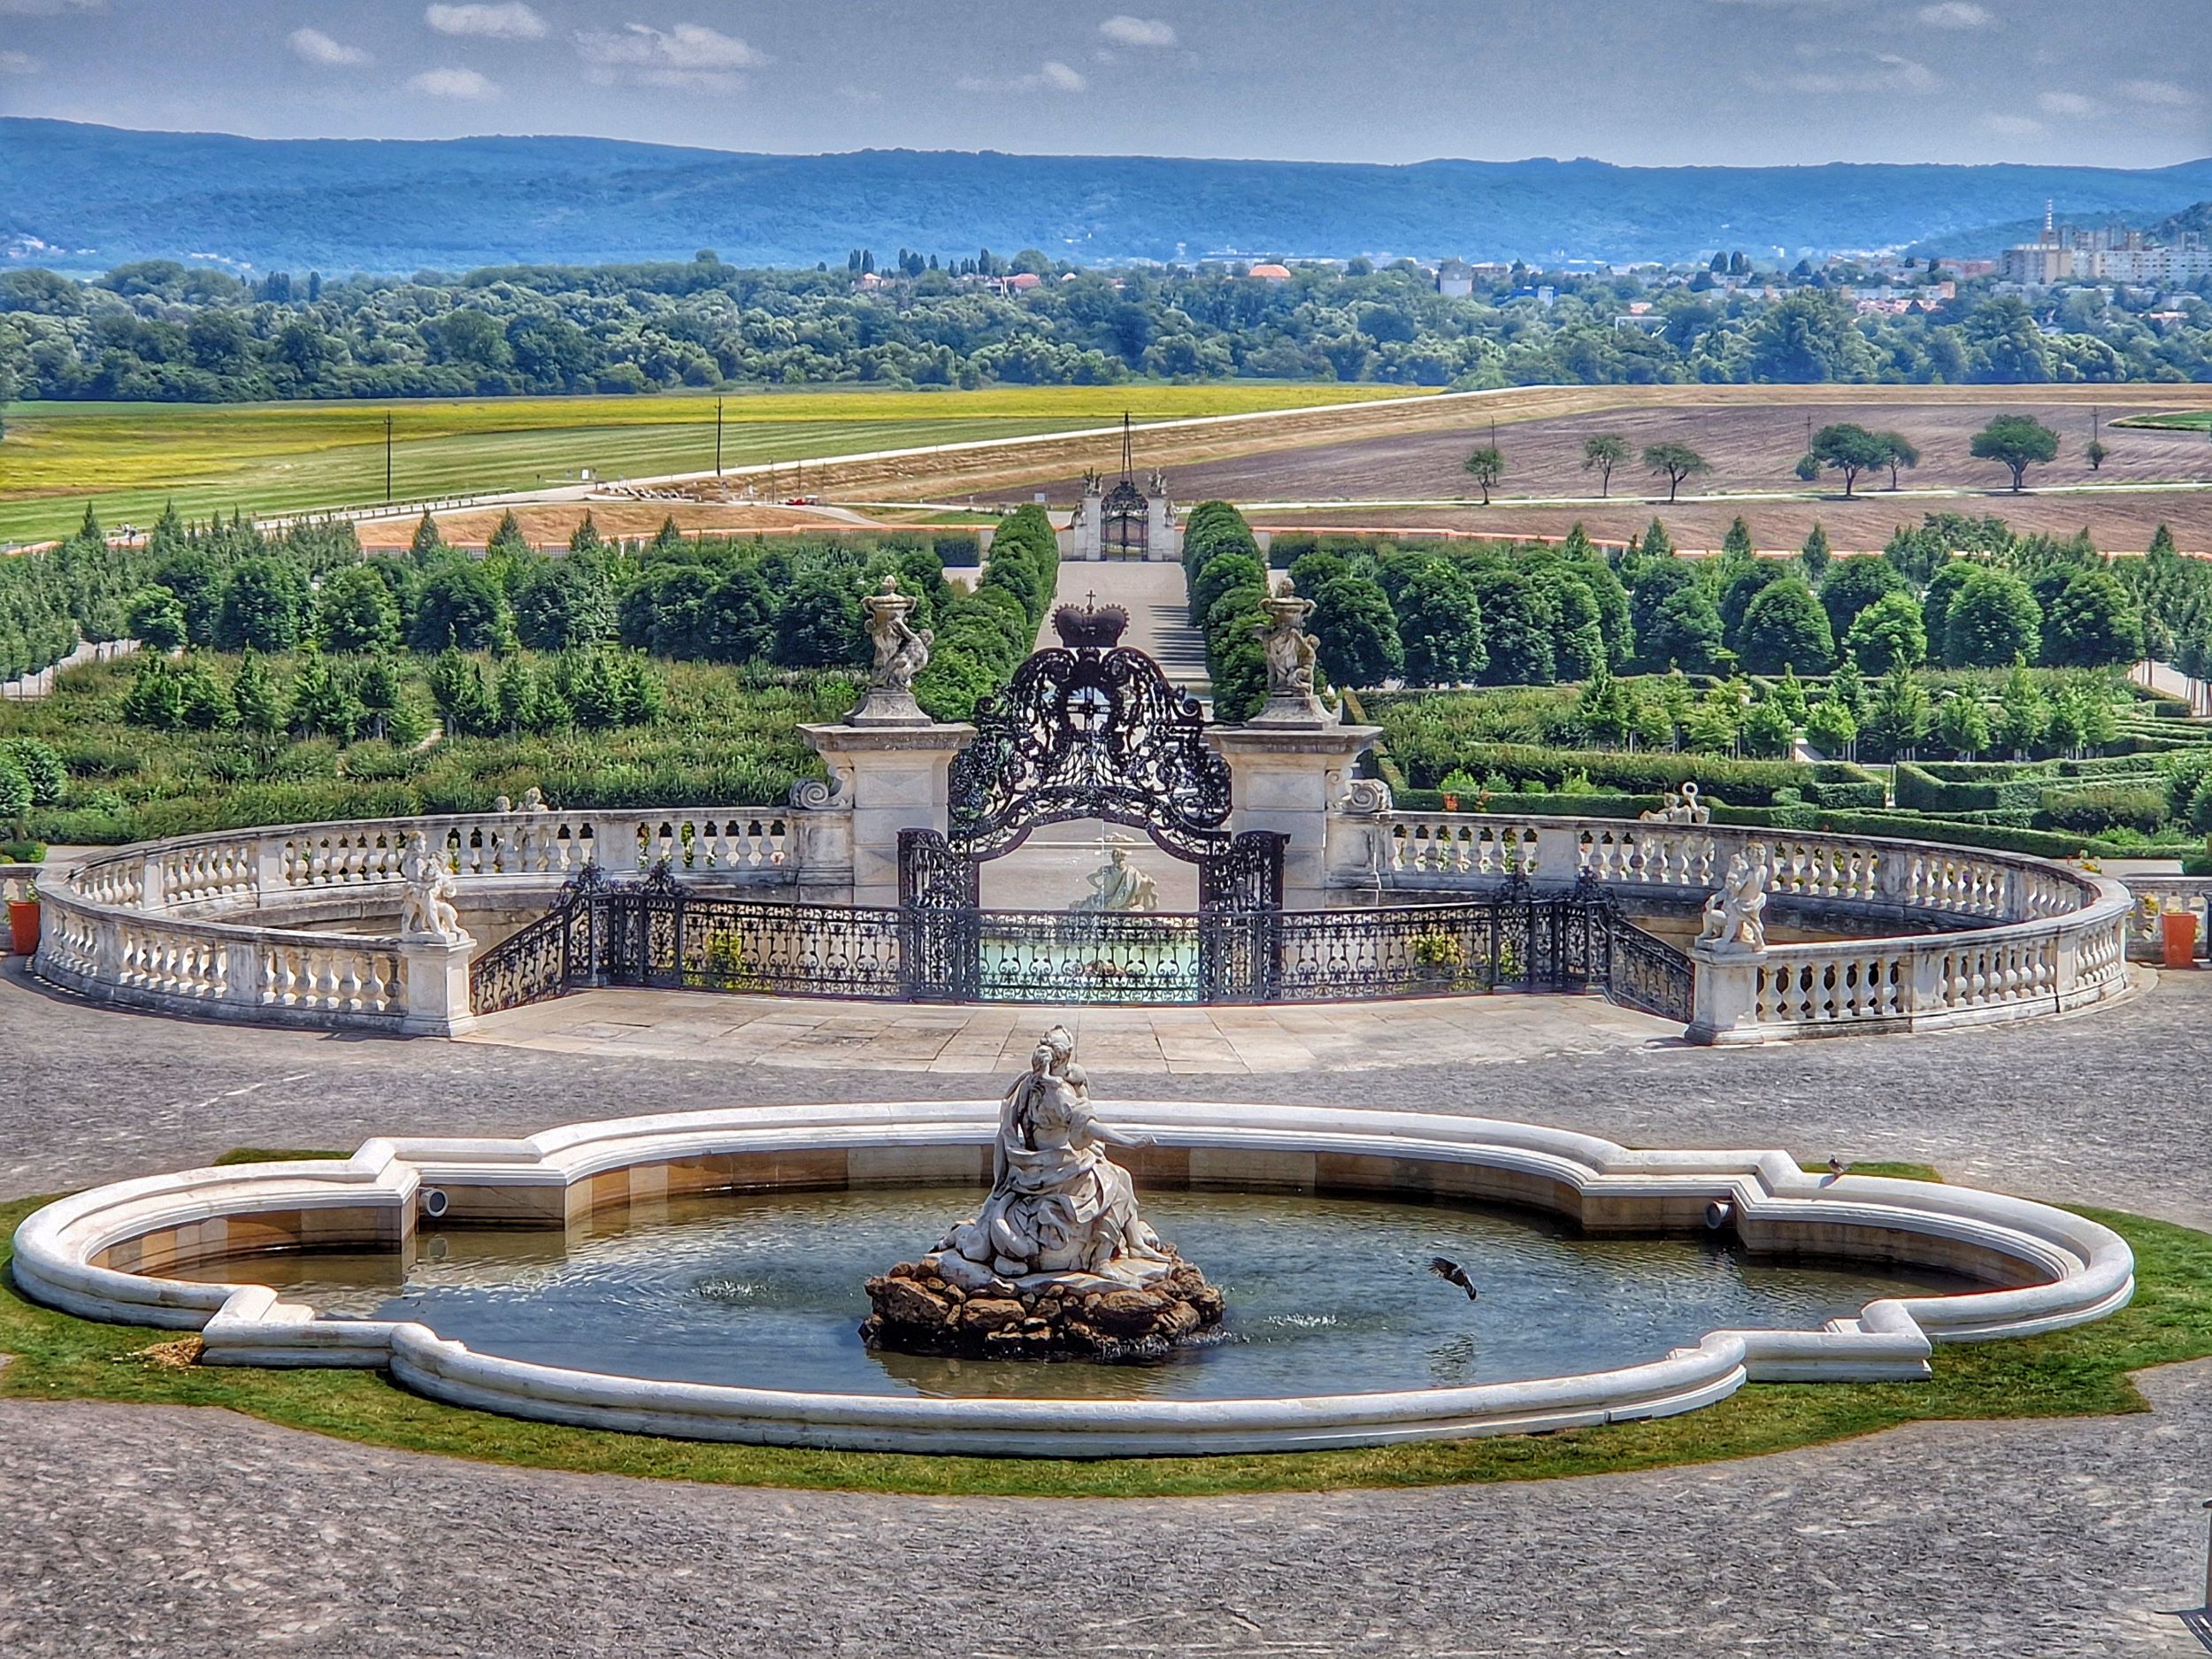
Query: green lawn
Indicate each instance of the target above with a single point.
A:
(2072, 1373)
(128, 458)
(2193, 421)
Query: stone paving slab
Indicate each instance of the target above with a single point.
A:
(754, 1030)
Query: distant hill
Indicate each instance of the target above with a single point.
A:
(84, 198)
(2162, 225)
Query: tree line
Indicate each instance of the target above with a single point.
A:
(159, 330)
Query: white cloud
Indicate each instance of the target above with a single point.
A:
(453, 83)
(1954, 14)
(1051, 76)
(1125, 30)
(2068, 104)
(315, 47)
(510, 20)
(689, 55)
(1865, 72)
(19, 64)
(2013, 127)
(47, 8)
(859, 95)
(2159, 93)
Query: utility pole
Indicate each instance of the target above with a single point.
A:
(388, 458)
(717, 437)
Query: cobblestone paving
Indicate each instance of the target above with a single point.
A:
(182, 1534)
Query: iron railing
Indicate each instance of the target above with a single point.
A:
(656, 934)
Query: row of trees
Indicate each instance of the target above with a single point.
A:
(1957, 592)
(598, 689)
(158, 330)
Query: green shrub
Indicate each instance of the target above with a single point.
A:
(2094, 811)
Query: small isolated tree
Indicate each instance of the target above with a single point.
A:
(2017, 442)
(1900, 452)
(2096, 454)
(1674, 461)
(1604, 451)
(1487, 467)
(1849, 449)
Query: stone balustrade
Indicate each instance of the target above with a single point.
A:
(2017, 936)
(184, 926)
(2159, 896)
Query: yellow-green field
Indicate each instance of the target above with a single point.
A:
(128, 458)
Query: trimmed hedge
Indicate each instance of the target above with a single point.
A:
(1650, 772)
(2093, 811)
(1542, 805)
(2022, 789)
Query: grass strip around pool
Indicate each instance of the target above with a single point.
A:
(2083, 1371)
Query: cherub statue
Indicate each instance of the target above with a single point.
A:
(427, 908)
(1735, 917)
(902, 652)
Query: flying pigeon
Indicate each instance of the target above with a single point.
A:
(1445, 1268)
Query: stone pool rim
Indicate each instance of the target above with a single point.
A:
(65, 1257)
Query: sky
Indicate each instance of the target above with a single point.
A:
(2124, 83)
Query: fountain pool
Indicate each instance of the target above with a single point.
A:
(1326, 1295)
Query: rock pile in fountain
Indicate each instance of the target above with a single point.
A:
(1058, 1263)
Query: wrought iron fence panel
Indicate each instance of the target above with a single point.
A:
(1054, 957)
(529, 965)
(802, 949)
(655, 933)
(1649, 974)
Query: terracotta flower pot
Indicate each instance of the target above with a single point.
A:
(23, 925)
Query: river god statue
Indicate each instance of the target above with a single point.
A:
(1057, 1263)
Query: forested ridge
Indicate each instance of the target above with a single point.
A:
(111, 194)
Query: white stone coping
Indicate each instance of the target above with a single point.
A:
(2084, 1272)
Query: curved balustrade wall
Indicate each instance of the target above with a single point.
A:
(2020, 936)
(164, 925)
(185, 925)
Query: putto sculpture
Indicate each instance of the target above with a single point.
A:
(1057, 1262)
(1290, 660)
(1735, 917)
(427, 908)
(901, 653)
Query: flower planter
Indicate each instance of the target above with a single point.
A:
(23, 925)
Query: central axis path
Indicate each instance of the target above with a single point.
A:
(1159, 614)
